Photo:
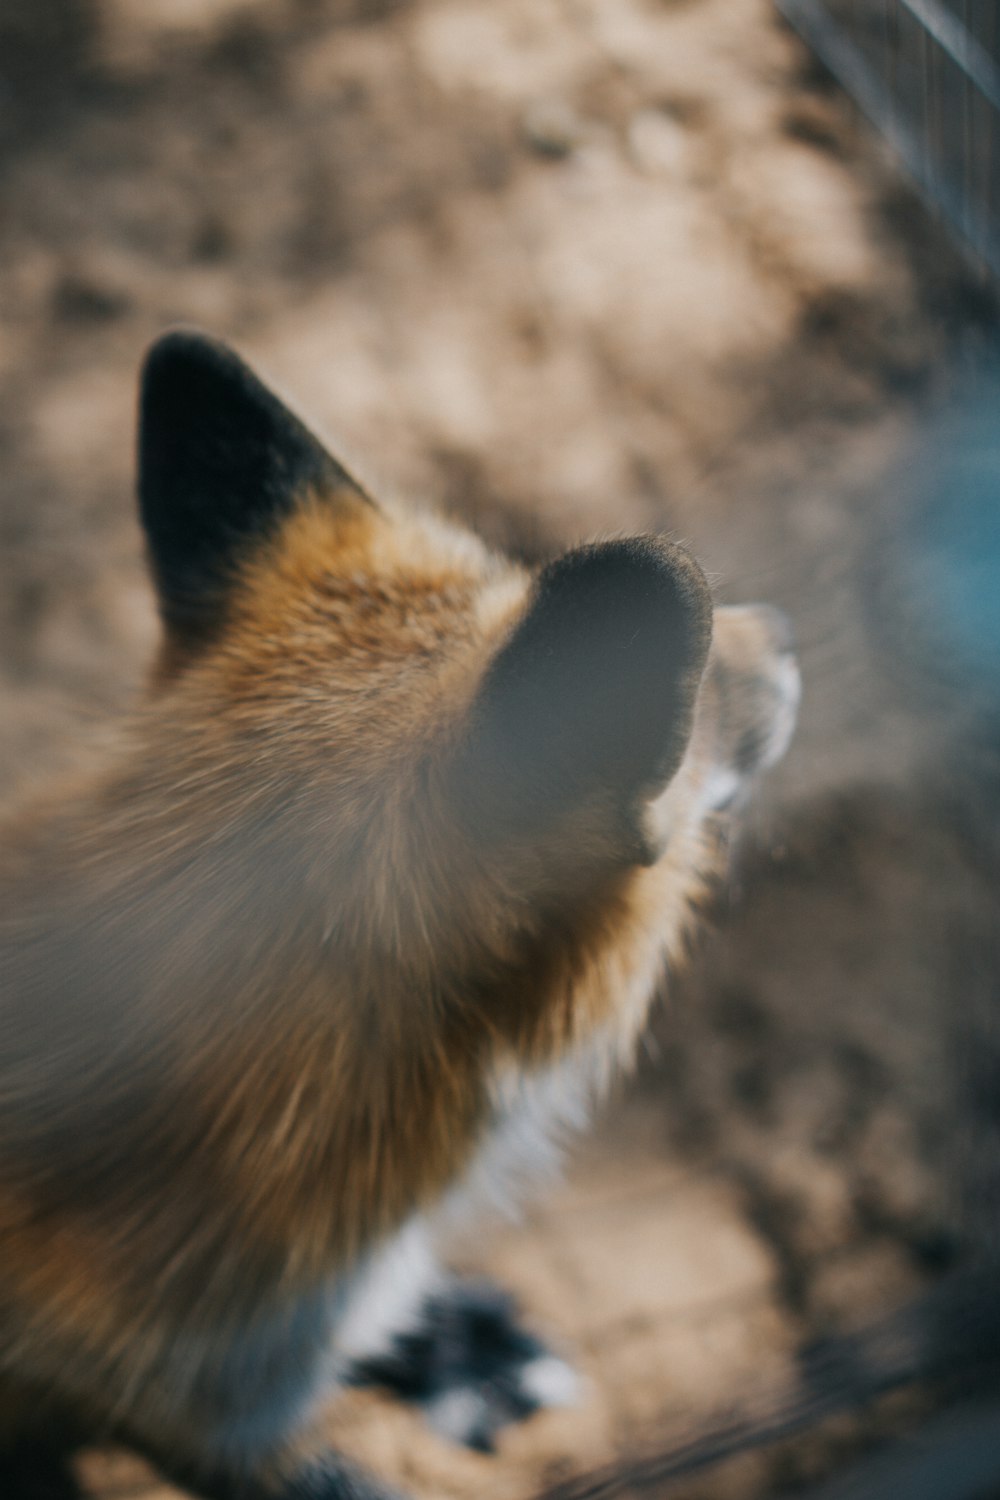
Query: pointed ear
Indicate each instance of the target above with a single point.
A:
(594, 691)
(221, 461)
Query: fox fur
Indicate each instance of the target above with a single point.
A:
(370, 898)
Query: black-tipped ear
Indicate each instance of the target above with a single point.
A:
(595, 689)
(221, 461)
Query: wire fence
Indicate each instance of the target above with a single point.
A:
(927, 73)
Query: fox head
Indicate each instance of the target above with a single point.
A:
(481, 764)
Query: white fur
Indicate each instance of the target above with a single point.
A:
(385, 1296)
(720, 787)
(531, 1115)
(456, 1413)
(550, 1381)
(788, 683)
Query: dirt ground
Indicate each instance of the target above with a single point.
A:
(570, 267)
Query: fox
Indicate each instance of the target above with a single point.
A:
(362, 910)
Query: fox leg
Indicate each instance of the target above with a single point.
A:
(468, 1362)
(328, 1477)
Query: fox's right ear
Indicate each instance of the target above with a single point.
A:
(222, 460)
(591, 699)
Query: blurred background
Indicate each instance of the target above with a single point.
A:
(569, 267)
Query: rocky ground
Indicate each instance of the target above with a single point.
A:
(570, 266)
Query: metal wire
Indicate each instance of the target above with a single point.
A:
(927, 73)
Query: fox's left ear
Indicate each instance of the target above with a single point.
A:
(221, 461)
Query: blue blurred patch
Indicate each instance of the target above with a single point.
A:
(954, 548)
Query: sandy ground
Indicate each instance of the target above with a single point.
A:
(567, 267)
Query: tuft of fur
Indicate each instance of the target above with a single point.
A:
(371, 896)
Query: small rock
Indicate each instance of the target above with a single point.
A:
(83, 299)
(552, 128)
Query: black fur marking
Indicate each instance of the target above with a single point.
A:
(221, 460)
(468, 1340)
(594, 691)
(37, 1470)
